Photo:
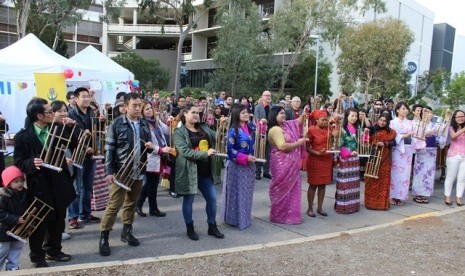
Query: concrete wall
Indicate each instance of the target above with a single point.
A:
(167, 60)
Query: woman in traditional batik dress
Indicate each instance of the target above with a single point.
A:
(401, 155)
(238, 186)
(348, 176)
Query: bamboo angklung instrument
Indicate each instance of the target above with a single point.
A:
(422, 125)
(220, 138)
(55, 146)
(260, 141)
(3, 139)
(363, 143)
(98, 138)
(131, 169)
(443, 123)
(79, 153)
(333, 143)
(374, 161)
(33, 217)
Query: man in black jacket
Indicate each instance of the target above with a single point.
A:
(54, 188)
(81, 210)
(125, 134)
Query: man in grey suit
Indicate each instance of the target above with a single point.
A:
(261, 113)
(294, 111)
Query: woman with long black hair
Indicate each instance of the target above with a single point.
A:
(239, 181)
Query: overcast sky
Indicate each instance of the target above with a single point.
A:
(447, 11)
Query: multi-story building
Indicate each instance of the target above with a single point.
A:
(86, 32)
(136, 30)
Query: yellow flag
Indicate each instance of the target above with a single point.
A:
(50, 86)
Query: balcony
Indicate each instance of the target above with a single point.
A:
(144, 30)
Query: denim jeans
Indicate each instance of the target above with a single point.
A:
(10, 253)
(83, 184)
(207, 188)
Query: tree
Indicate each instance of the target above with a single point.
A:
(182, 10)
(148, 72)
(296, 20)
(302, 78)
(430, 85)
(22, 14)
(456, 91)
(242, 56)
(372, 56)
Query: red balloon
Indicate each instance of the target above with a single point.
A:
(68, 73)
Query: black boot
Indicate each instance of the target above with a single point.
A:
(154, 211)
(157, 213)
(213, 231)
(140, 212)
(191, 232)
(104, 246)
(127, 236)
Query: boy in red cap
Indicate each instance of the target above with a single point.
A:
(12, 205)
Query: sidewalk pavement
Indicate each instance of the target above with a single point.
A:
(167, 235)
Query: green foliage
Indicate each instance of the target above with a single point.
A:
(148, 72)
(302, 78)
(112, 9)
(180, 11)
(243, 55)
(372, 56)
(197, 93)
(294, 22)
(456, 91)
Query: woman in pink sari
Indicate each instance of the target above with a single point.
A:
(287, 150)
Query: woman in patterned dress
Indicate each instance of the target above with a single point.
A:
(238, 185)
(348, 178)
(377, 190)
(424, 168)
(401, 155)
(287, 149)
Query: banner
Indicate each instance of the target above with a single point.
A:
(14, 97)
(51, 86)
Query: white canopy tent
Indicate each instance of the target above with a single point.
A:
(18, 64)
(29, 55)
(110, 72)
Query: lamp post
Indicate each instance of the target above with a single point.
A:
(317, 37)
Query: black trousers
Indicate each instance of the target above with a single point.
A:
(149, 190)
(47, 237)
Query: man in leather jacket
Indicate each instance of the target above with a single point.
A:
(126, 133)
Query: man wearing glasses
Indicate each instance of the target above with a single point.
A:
(54, 188)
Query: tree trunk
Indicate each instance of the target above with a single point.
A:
(22, 15)
(177, 77)
(57, 36)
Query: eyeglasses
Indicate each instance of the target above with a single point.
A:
(48, 112)
(459, 116)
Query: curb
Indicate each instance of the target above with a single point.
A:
(80, 267)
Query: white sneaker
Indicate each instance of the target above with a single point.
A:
(65, 236)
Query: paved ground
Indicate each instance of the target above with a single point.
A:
(161, 238)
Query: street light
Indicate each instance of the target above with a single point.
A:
(317, 37)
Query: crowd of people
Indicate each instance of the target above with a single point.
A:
(153, 139)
